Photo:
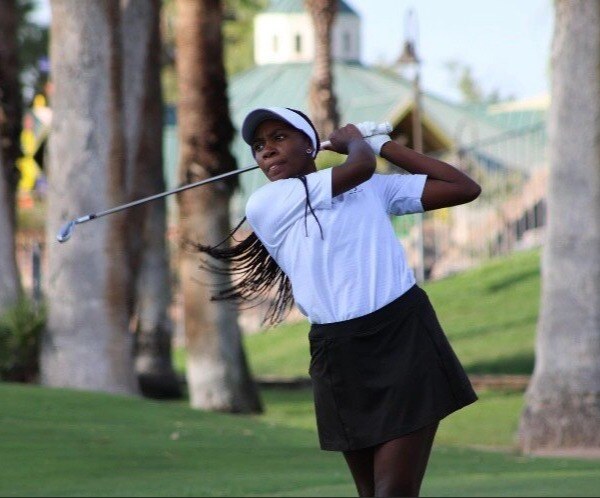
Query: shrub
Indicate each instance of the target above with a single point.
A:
(20, 334)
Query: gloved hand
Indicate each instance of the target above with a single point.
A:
(376, 135)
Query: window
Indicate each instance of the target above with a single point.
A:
(298, 44)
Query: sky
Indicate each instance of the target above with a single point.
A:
(506, 43)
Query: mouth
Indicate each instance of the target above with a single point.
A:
(275, 168)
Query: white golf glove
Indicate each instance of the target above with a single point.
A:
(376, 135)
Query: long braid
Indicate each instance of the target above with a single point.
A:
(253, 273)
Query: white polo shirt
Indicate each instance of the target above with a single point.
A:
(359, 266)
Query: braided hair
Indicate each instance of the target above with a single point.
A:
(254, 276)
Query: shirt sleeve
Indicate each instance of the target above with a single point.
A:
(275, 207)
(401, 194)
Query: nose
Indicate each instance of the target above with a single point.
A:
(268, 149)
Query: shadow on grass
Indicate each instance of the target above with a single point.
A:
(483, 330)
(517, 364)
(511, 280)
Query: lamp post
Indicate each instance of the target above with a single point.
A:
(409, 59)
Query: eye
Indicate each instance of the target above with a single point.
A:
(258, 146)
(280, 136)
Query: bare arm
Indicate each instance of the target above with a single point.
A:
(360, 163)
(445, 186)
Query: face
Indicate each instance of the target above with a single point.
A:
(281, 151)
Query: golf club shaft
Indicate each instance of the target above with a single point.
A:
(154, 197)
(163, 194)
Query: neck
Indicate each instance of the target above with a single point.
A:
(312, 168)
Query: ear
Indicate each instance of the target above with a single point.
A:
(307, 142)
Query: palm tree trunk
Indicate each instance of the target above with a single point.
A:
(9, 275)
(10, 129)
(86, 343)
(11, 108)
(217, 372)
(322, 99)
(149, 258)
(563, 400)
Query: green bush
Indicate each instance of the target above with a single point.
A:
(20, 334)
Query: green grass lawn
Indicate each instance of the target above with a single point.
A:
(67, 443)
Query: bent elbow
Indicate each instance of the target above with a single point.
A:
(471, 191)
(474, 192)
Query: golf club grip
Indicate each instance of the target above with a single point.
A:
(381, 129)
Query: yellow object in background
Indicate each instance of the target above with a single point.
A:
(442, 214)
(29, 173)
(39, 101)
(27, 166)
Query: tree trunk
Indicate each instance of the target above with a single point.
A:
(9, 275)
(10, 130)
(149, 257)
(322, 99)
(87, 344)
(217, 372)
(11, 107)
(563, 400)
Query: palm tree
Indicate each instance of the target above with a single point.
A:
(10, 99)
(149, 258)
(86, 343)
(563, 399)
(9, 276)
(10, 126)
(322, 99)
(217, 372)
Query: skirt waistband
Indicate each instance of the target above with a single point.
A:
(395, 309)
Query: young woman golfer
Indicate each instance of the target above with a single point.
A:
(382, 369)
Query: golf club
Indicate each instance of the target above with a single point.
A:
(67, 230)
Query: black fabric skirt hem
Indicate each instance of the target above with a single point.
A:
(384, 375)
(375, 441)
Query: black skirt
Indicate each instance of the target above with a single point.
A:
(383, 375)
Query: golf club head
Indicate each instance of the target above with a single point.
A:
(66, 231)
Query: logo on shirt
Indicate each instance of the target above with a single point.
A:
(340, 198)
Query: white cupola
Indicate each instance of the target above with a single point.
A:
(284, 33)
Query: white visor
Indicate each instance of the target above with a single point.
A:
(295, 120)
